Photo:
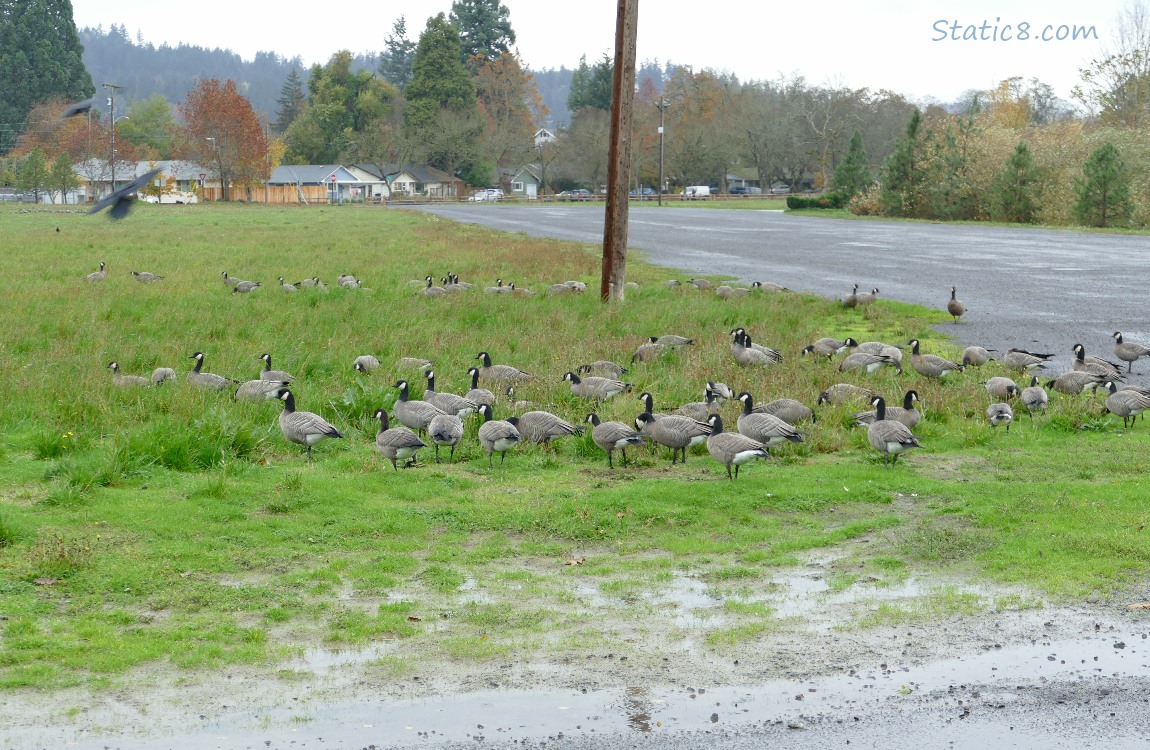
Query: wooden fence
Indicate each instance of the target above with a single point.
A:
(274, 194)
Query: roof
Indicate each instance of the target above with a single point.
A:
(310, 174)
(531, 169)
(421, 172)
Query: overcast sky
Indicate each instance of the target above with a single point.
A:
(902, 45)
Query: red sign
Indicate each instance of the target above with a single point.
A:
(202, 176)
(333, 178)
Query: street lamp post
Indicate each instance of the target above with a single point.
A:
(112, 119)
(662, 105)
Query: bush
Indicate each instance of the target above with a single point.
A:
(830, 200)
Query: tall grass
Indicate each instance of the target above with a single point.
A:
(204, 513)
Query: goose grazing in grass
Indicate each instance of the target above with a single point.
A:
(869, 362)
(500, 374)
(828, 347)
(206, 379)
(163, 374)
(396, 443)
(700, 410)
(595, 388)
(732, 448)
(1127, 351)
(431, 290)
(787, 409)
(1076, 381)
(604, 368)
(259, 390)
(841, 393)
(867, 298)
(647, 351)
(1034, 397)
(675, 432)
(542, 427)
(289, 288)
(612, 436)
(955, 306)
(852, 299)
(245, 287)
(303, 427)
(1001, 388)
(365, 363)
(975, 356)
(497, 434)
(229, 280)
(126, 381)
(888, 437)
(1127, 403)
(96, 275)
(144, 277)
(744, 353)
(1022, 360)
(765, 428)
(269, 374)
(740, 337)
(1000, 414)
(446, 429)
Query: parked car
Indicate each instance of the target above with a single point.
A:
(738, 190)
(647, 191)
(579, 194)
(696, 192)
(486, 195)
(780, 188)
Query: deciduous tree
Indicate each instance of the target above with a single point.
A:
(1103, 190)
(511, 107)
(33, 174)
(223, 130)
(62, 177)
(40, 58)
(149, 127)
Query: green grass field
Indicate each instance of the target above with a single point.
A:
(169, 526)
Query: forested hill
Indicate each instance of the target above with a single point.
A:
(143, 70)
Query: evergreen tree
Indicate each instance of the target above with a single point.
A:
(950, 192)
(484, 28)
(903, 176)
(1014, 191)
(397, 56)
(438, 79)
(291, 102)
(33, 173)
(39, 59)
(591, 85)
(1104, 190)
(853, 175)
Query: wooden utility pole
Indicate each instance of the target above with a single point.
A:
(619, 157)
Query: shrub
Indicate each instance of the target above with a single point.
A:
(830, 200)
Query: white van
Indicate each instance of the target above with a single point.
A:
(696, 192)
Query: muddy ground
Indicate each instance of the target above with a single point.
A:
(1029, 675)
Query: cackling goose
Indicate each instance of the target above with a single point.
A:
(732, 447)
(647, 351)
(869, 362)
(867, 298)
(975, 356)
(613, 435)
(447, 402)
(1098, 365)
(931, 365)
(1034, 397)
(269, 374)
(765, 428)
(96, 275)
(229, 280)
(1127, 403)
(787, 409)
(396, 443)
(700, 410)
(1127, 351)
(415, 415)
(1000, 414)
(365, 363)
(496, 434)
(888, 437)
(604, 368)
(245, 286)
(431, 290)
(145, 278)
(477, 394)
(1022, 360)
(955, 306)
(500, 374)
(828, 347)
(673, 431)
(596, 388)
(841, 393)
(259, 390)
(1076, 381)
(289, 288)
(907, 413)
(446, 429)
(1001, 388)
(206, 379)
(303, 427)
(542, 427)
(852, 299)
(746, 355)
(126, 381)
(163, 374)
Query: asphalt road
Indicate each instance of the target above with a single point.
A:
(1037, 289)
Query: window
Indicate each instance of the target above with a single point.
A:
(517, 187)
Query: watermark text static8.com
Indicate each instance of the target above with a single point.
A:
(953, 30)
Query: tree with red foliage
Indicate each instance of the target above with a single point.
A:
(223, 130)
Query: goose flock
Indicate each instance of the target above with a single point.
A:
(436, 419)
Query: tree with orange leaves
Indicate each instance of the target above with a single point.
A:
(511, 107)
(223, 130)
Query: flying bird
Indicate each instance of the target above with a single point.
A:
(119, 200)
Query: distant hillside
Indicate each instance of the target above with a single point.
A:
(143, 70)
